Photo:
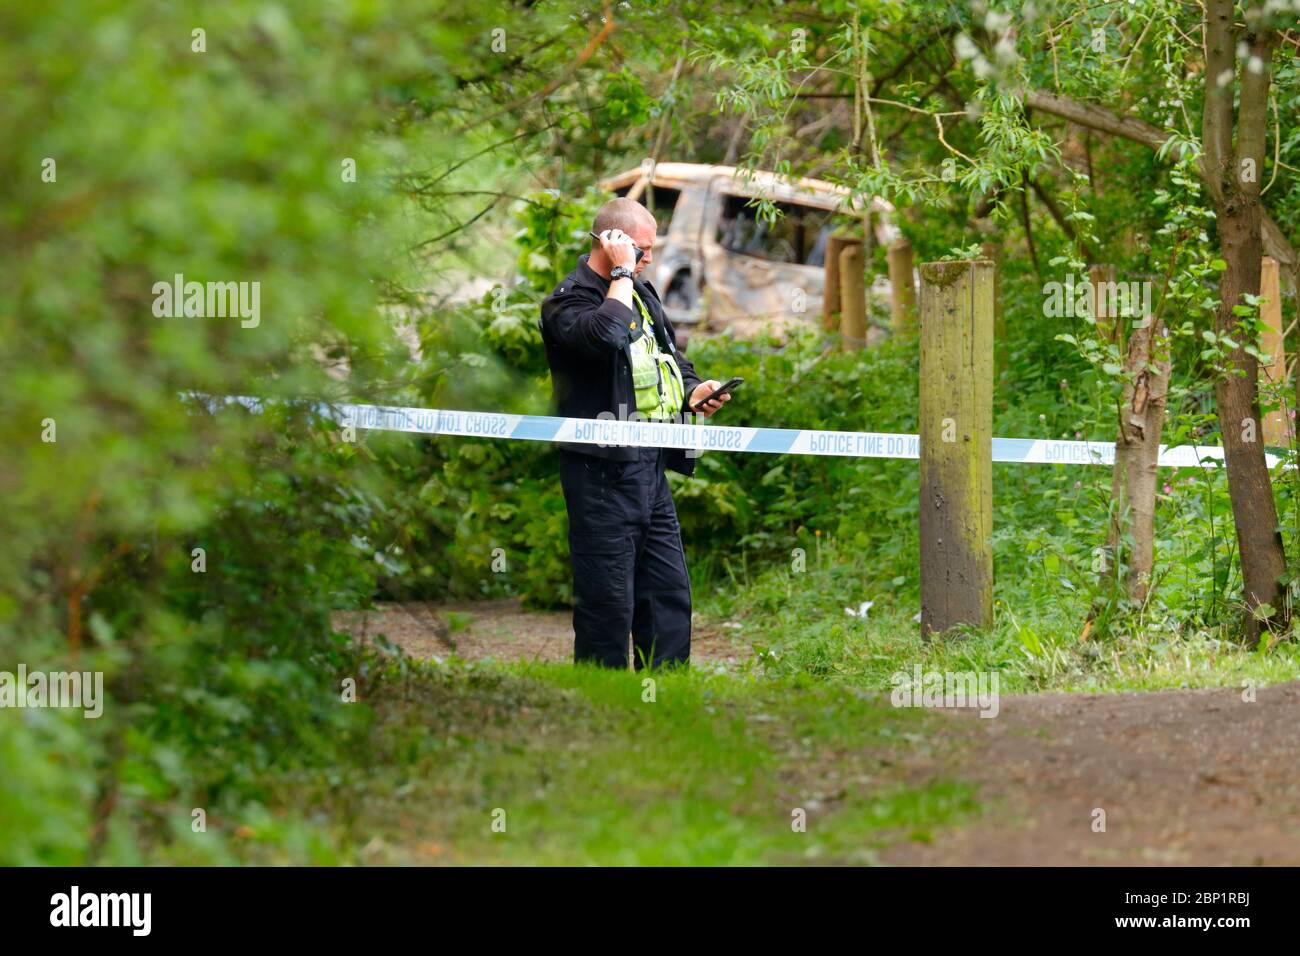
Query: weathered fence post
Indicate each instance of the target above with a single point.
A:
(831, 286)
(1001, 347)
(1277, 426)
(902, 290)
(853, 297)
(956, 429)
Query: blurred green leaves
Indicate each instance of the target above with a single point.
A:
(269, 153)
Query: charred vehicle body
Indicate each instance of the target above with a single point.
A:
(718, 265)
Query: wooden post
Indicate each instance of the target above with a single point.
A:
(831, 287)
(902, 291)
(853, 297)
(956, 429)
(1001, 349)
(1277, 424)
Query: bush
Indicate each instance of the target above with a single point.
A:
(222, 166)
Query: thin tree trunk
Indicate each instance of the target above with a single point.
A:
(1239, 218)
(1137, 453)
(1141, 414)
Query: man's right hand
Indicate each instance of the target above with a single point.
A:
(618, 248)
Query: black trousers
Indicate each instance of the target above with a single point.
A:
(629, 569)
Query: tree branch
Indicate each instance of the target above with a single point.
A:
(1029, 229)
(1220, 72)
(1140, 131)
(1066, 226)
(592, 45)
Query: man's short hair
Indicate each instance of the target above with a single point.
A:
(622, 213)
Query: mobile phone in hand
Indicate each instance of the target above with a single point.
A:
(637, 250)
(723, 389)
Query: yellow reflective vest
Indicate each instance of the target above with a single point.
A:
(656, 378)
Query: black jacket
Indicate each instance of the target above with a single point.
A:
(588, 339)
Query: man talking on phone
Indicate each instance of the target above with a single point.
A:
(613, 354)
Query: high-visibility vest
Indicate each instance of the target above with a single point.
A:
(656, 378)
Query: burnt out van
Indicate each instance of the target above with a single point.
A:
(717, 265)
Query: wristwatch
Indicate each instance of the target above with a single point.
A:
(620, 272)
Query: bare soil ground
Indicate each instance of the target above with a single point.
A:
(502, 630)
(1185, 777)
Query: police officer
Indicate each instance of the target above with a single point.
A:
(612, 351)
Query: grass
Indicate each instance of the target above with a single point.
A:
(582, 768)
(797, 624)
(550, 764)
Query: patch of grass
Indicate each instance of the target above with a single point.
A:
(797, 624)
(583, 768)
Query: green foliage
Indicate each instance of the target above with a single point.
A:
(626, 99)
(769, 505)
(224, 164)
(230, 164)
(553, 230)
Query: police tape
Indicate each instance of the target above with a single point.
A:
(714, 437)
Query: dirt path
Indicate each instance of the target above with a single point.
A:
(1188, 777)
(502, 630)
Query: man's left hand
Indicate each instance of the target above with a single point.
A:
(704, 390)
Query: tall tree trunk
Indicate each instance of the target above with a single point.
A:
(1237, 204)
